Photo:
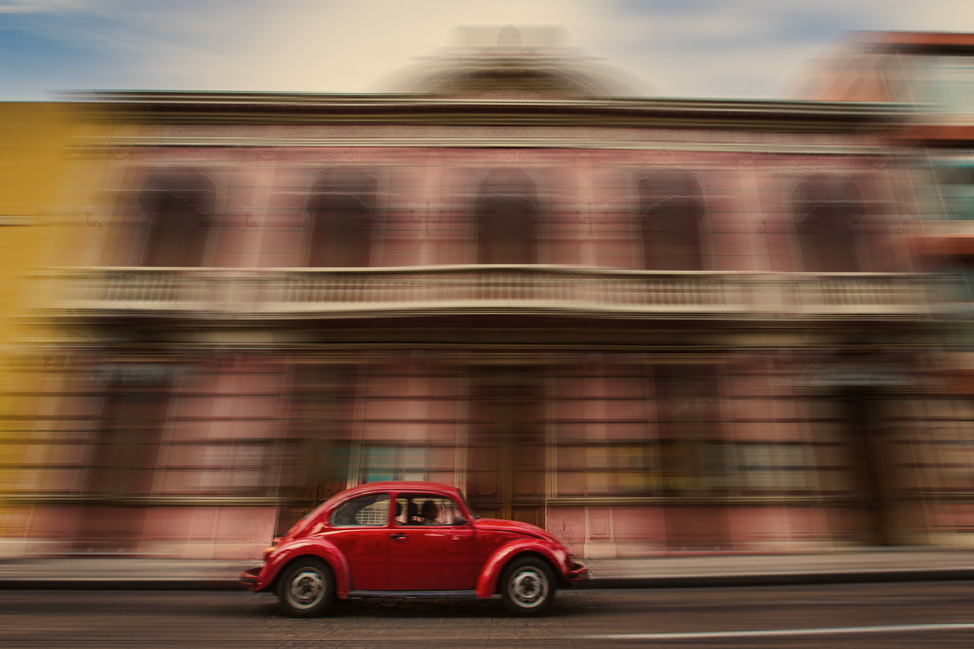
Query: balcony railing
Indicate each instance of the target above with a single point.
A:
(269, 293)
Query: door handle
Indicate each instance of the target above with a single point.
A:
(398, 536)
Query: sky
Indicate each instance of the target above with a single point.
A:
(675, 48)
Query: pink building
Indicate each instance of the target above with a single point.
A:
(648, 325)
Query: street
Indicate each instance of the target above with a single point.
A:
(924, 614)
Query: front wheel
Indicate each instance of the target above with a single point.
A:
(528, 586)
(306, 588)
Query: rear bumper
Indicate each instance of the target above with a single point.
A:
(249, 578)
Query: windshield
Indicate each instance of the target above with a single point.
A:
(466, 503)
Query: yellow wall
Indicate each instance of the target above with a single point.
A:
(33, 137)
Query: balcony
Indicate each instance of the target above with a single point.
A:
(268, 294)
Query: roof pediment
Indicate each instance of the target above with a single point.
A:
(512, 70)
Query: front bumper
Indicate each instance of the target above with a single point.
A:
(577, 571)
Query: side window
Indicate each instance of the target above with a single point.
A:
(426, 509)
(365, 511)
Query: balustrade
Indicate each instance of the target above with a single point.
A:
(270, 292)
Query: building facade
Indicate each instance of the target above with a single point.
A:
(932, 72)
(650, 326)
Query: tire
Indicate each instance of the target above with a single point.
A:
(306, 587)
(528, 586)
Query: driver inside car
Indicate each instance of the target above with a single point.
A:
(430, 513)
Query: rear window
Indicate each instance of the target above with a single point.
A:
(364, 511)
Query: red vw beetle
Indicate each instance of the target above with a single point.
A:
(411, 539)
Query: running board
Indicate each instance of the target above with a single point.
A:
(435, 594)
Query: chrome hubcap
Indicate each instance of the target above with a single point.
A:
(306, 589)
(529, 587)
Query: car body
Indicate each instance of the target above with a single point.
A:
(373, 541)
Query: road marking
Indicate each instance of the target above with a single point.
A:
(703, 635)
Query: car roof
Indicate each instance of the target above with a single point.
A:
(398, 486)
(378, 487)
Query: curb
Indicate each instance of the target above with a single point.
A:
(783, 579)
(128, 583)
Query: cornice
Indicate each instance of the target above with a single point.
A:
(95, 146)
(271, 108)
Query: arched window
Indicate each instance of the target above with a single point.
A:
(507, 218)
(180, 204)
(956, 185)
(342, 208)
(827, 210)
(671, 208)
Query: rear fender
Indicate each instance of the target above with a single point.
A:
(487, 582)
(305, 547)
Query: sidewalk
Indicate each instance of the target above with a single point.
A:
(843, 566)
(840, 566)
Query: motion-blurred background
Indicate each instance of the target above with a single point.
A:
(649, 325)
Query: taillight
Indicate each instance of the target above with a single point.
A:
(272, 547)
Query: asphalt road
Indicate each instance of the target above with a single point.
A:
(877, 616)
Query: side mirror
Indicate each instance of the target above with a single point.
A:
(460, 520)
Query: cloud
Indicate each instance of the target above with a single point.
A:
(751, 48)
(342, 47)
(703, 48)
(41, 6)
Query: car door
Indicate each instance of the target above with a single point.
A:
(436, 555)
(360, 529)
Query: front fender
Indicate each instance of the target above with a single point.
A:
(487, 582)
(321, 548)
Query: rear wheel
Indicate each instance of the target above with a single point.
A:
(306, 588)
(528, 586)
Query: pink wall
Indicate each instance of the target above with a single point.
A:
(748, 224)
